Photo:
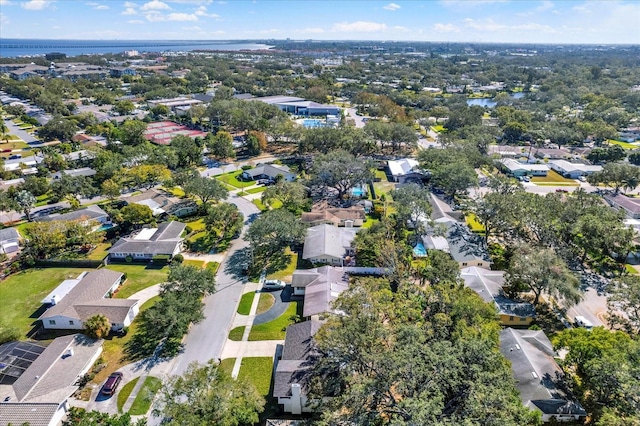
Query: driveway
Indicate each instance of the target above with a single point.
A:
(206, 339)
(15, 130)
(283, 299)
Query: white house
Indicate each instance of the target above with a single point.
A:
(403, 169)
(328, 244)
(165, 240)
(39, 395)
(573, 170)
(269, 171)
(516, 168)
(74, 301)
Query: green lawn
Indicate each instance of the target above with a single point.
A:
(553, 177)
(236, 334)
(625, 145)
(21, 294)
(274, 330)
(380, 174)
(143, 400)
(256, 190)
(630, 269)
(438, 128)
(124, 393)
(383, 187)
(259, 204)
(16, 143)
(244, 308)
(232, 179)
(285, 273)
(193, 262)
(196, 225)
(265, 303)
(100, 252)
(227, 365)
(139, 277)
(213, 266)
(257, 370)
(369, 222)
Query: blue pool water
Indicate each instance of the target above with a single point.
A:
(104, 227)
(419, 250)
(311, 123)
(358, 191)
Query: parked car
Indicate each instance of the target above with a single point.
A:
(582, 178)
(581, 321)
(273, 285)
(15, 157)
(112, 383)
(561, 190)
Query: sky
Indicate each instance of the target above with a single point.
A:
(502, 21)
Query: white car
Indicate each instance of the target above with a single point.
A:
(581, 321)
(273, 285)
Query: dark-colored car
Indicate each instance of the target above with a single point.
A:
(112, 383)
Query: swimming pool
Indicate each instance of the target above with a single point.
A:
(358, 191)
(105, 227)
(311, 123)
(419, 250)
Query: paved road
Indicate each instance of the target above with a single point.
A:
(593, 307)
(351, 113)
(15, 130)
(206, 340)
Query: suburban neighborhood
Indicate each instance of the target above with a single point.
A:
(338, 235)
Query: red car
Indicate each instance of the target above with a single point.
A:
(112, 383)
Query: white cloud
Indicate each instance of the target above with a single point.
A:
(129, 11)
(446, 28)
(128, 4)
(5, 3)
(155, 5)
(194, 28)
(179, 17)
(4, 20)
(312, 30)
(358, 27)
(581, 9)
(469, 3)
(101, 7)
(191, 1)
(36, 4)
(135, 21)
(392, 7)
(202, 11)
(401, 29)
(489, 25)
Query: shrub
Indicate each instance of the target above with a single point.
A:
(178, 258)
(128, 259)
(246, 167)
(188, 229)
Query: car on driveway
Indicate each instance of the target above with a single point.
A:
(112, 383)
(270, 285)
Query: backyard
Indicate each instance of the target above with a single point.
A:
(139, 277)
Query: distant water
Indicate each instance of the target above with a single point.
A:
(38, 47)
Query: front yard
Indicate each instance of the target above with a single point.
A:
(275, 330)
(554, 178)
(232, 179)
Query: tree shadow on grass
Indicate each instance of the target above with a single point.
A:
(279, 262)
(238, 263)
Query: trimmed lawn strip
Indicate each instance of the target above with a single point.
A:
(265, 303)
(553, 177)
(244, 308)
(236, 334)
(227, 365)
(625, 145)
(100, 252)
(259, 204)
(125, 392)
(194, 262)
(143, 400)
(555, 184)
(113, 346)
(213, 266)
(256, 190)
(274, 330)
(139, 277)
(21, 294)
(257, 370)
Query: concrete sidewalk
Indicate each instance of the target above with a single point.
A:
(146, 294)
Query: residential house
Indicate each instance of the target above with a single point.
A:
(163, 241)
(293, 369)
(269, 171)
(81, 172)
(72, 304)
(92, 212)
(9, 240)
(573, 170)
(322, 213)
(299, 106)
(28, 70)
(516, 168)
(328, 244)
(552, 154)
(46, 378)
(319, 287)
(122, 71)
(488, 284)
(538, 376)
(405, 170)
(164, 204)
(464, 247)
(631, 206)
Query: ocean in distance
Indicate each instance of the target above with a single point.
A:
(11, 48)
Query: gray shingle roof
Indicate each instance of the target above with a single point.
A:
(7, 234)
(163, 241)
(271, 170)
(51, 377)
(298, 357)
(33, 414)
(322, 240)
(91, 212)
(465, 246)
(488, 285)
(536, 372)
(90, 291)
